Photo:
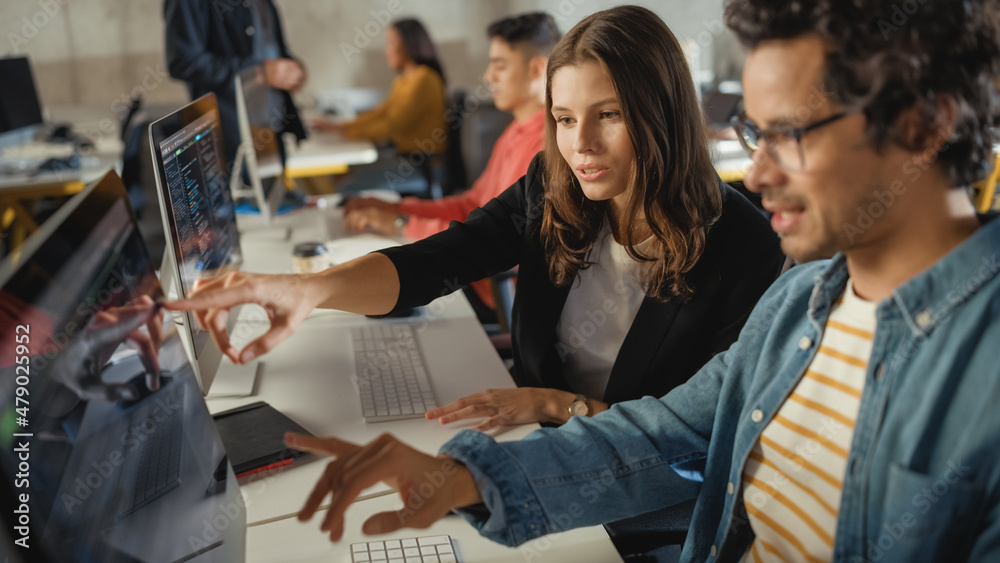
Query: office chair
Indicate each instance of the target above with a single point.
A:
(444, 173)
(455, 177)
(482, 126)
(503, 285)
(132, 128)
(644, 533)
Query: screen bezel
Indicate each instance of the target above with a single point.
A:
(205, 355)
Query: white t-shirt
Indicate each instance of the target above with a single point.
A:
(599, 311)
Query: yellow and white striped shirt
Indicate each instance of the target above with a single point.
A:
(793, 481)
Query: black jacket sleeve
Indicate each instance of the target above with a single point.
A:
(488, 242)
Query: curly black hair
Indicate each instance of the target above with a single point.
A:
(885, 57)
(537, 32)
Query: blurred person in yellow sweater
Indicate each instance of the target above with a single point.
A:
(412, 117)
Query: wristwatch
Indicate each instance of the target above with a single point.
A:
(401, 221)
(579, 407)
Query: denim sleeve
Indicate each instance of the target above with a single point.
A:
(638, 456)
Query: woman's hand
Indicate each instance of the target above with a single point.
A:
(287, 299)
(507, 407)
(429, 486)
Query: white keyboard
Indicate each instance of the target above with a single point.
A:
(428, 549)
(391, 375)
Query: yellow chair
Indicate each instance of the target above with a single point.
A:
(986, 190)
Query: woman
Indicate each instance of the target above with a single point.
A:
(637, 264)
(412, 117)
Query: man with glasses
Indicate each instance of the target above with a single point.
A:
(856, 418)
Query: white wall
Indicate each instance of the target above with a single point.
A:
(97, 52)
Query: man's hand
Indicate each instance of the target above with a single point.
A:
(371, 219)
(284, 74)
(388, 460)
(359, 203)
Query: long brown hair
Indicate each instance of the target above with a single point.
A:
(672, 183)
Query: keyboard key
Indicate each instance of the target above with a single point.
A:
(392, 369)
(434, 540)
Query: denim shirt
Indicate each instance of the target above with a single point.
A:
(923, 473)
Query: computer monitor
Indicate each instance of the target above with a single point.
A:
(109, 452)
(20, 110)
(258, 155)
(719, 107)
(199, 219)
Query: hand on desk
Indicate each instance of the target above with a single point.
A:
(508, 407)
(384, 459)
(325, 126)
(359, 203)
(371, 219)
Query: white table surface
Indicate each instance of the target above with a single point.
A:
(291, 540)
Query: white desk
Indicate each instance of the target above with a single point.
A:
(307, 377)
(19, 183)
(321, 150)
(291, 540)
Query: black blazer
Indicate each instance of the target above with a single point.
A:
(207, 46)
(667, 342)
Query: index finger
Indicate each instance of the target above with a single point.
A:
(221, 298)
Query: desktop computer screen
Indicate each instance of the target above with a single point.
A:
(19, 106)
(258, 120)
(259, 155)
(198, 212)
(109, 452)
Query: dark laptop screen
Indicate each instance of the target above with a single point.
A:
(109, 452)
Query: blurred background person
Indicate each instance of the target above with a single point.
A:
(519, 52)
(209, 43)
(411, 118)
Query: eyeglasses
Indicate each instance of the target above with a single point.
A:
(783, 144)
